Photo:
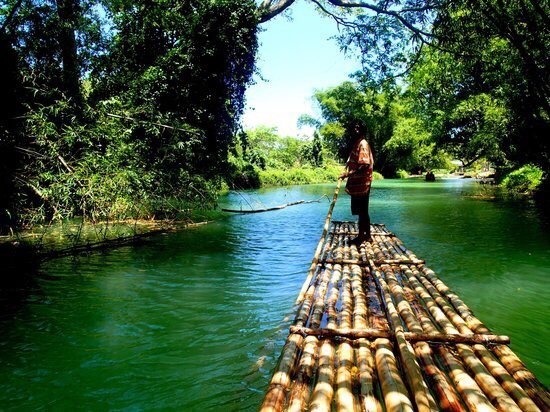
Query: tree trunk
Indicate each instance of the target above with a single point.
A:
(68, 12)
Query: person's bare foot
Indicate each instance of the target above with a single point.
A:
(357, 241)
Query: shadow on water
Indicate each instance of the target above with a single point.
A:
(18, 281)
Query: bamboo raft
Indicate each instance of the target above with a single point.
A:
(377, 330)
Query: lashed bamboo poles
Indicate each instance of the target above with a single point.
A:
(299, 394)
(385, 366)
(323, 391)
(365, 361)
(345, 400)
(489, 384)
(393, 389)
(500, 396)
(315, 260)
(281, 381)
(411, 368)
(470, 392)
(525, 379)
(424, 307)
(276, 394)
(469, 320)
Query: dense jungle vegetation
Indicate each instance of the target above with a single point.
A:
(115, 109)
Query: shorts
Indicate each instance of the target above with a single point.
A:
(359, 205)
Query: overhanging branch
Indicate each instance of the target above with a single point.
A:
(271, 8)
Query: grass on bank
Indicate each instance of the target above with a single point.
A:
(303, 176)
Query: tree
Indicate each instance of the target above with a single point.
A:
(500, 48)
(350, 102)
(69, 15)
(187, 65)
(317, 150)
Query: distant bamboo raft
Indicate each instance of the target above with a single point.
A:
(376, 330)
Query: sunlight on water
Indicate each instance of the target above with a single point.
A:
(196, 320)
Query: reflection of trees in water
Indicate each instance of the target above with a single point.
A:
(18, 282)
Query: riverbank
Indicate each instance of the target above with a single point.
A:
(275, 177)
(76, 236)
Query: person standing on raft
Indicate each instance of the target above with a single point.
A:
(359, 173)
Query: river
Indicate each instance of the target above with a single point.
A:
(195, 320)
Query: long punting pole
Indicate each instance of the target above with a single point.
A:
(378, 330)
(319, 248)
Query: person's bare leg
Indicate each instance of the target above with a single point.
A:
(364, 225)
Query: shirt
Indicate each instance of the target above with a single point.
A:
(359, 182)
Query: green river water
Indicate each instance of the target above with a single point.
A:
(195, 320)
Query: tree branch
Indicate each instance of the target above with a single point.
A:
(337, 19)
(270, 9)
(380, 10)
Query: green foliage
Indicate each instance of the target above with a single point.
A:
(402, 174)
(470, 126)
(187, 66)
(489, 100)
(350, 102)
(313, 152)
(285, 160)
(411, 147)
(300, 176)
(106, 180)
(399, 139)
(175, 74)
(523, 180)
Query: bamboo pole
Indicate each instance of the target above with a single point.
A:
(515, 368)
(345, 400)
(366, 333)
(485, 379)
(300, 390)
(536, 391)
(393, 389)
(505, 379)
(461, 308)
(377, 261)
(411, 368)
(367, 378)
(323, 391)
(368, 401)
(471, 393)
(446, 396)
(299, 394)
(314, 262)
(276, 393)
(440, 385)
(271, 209)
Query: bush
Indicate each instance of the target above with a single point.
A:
(523, 180)
(299, 176)
(402, 174)
(304, 175)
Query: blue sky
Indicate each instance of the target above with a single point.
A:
(295, 57)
